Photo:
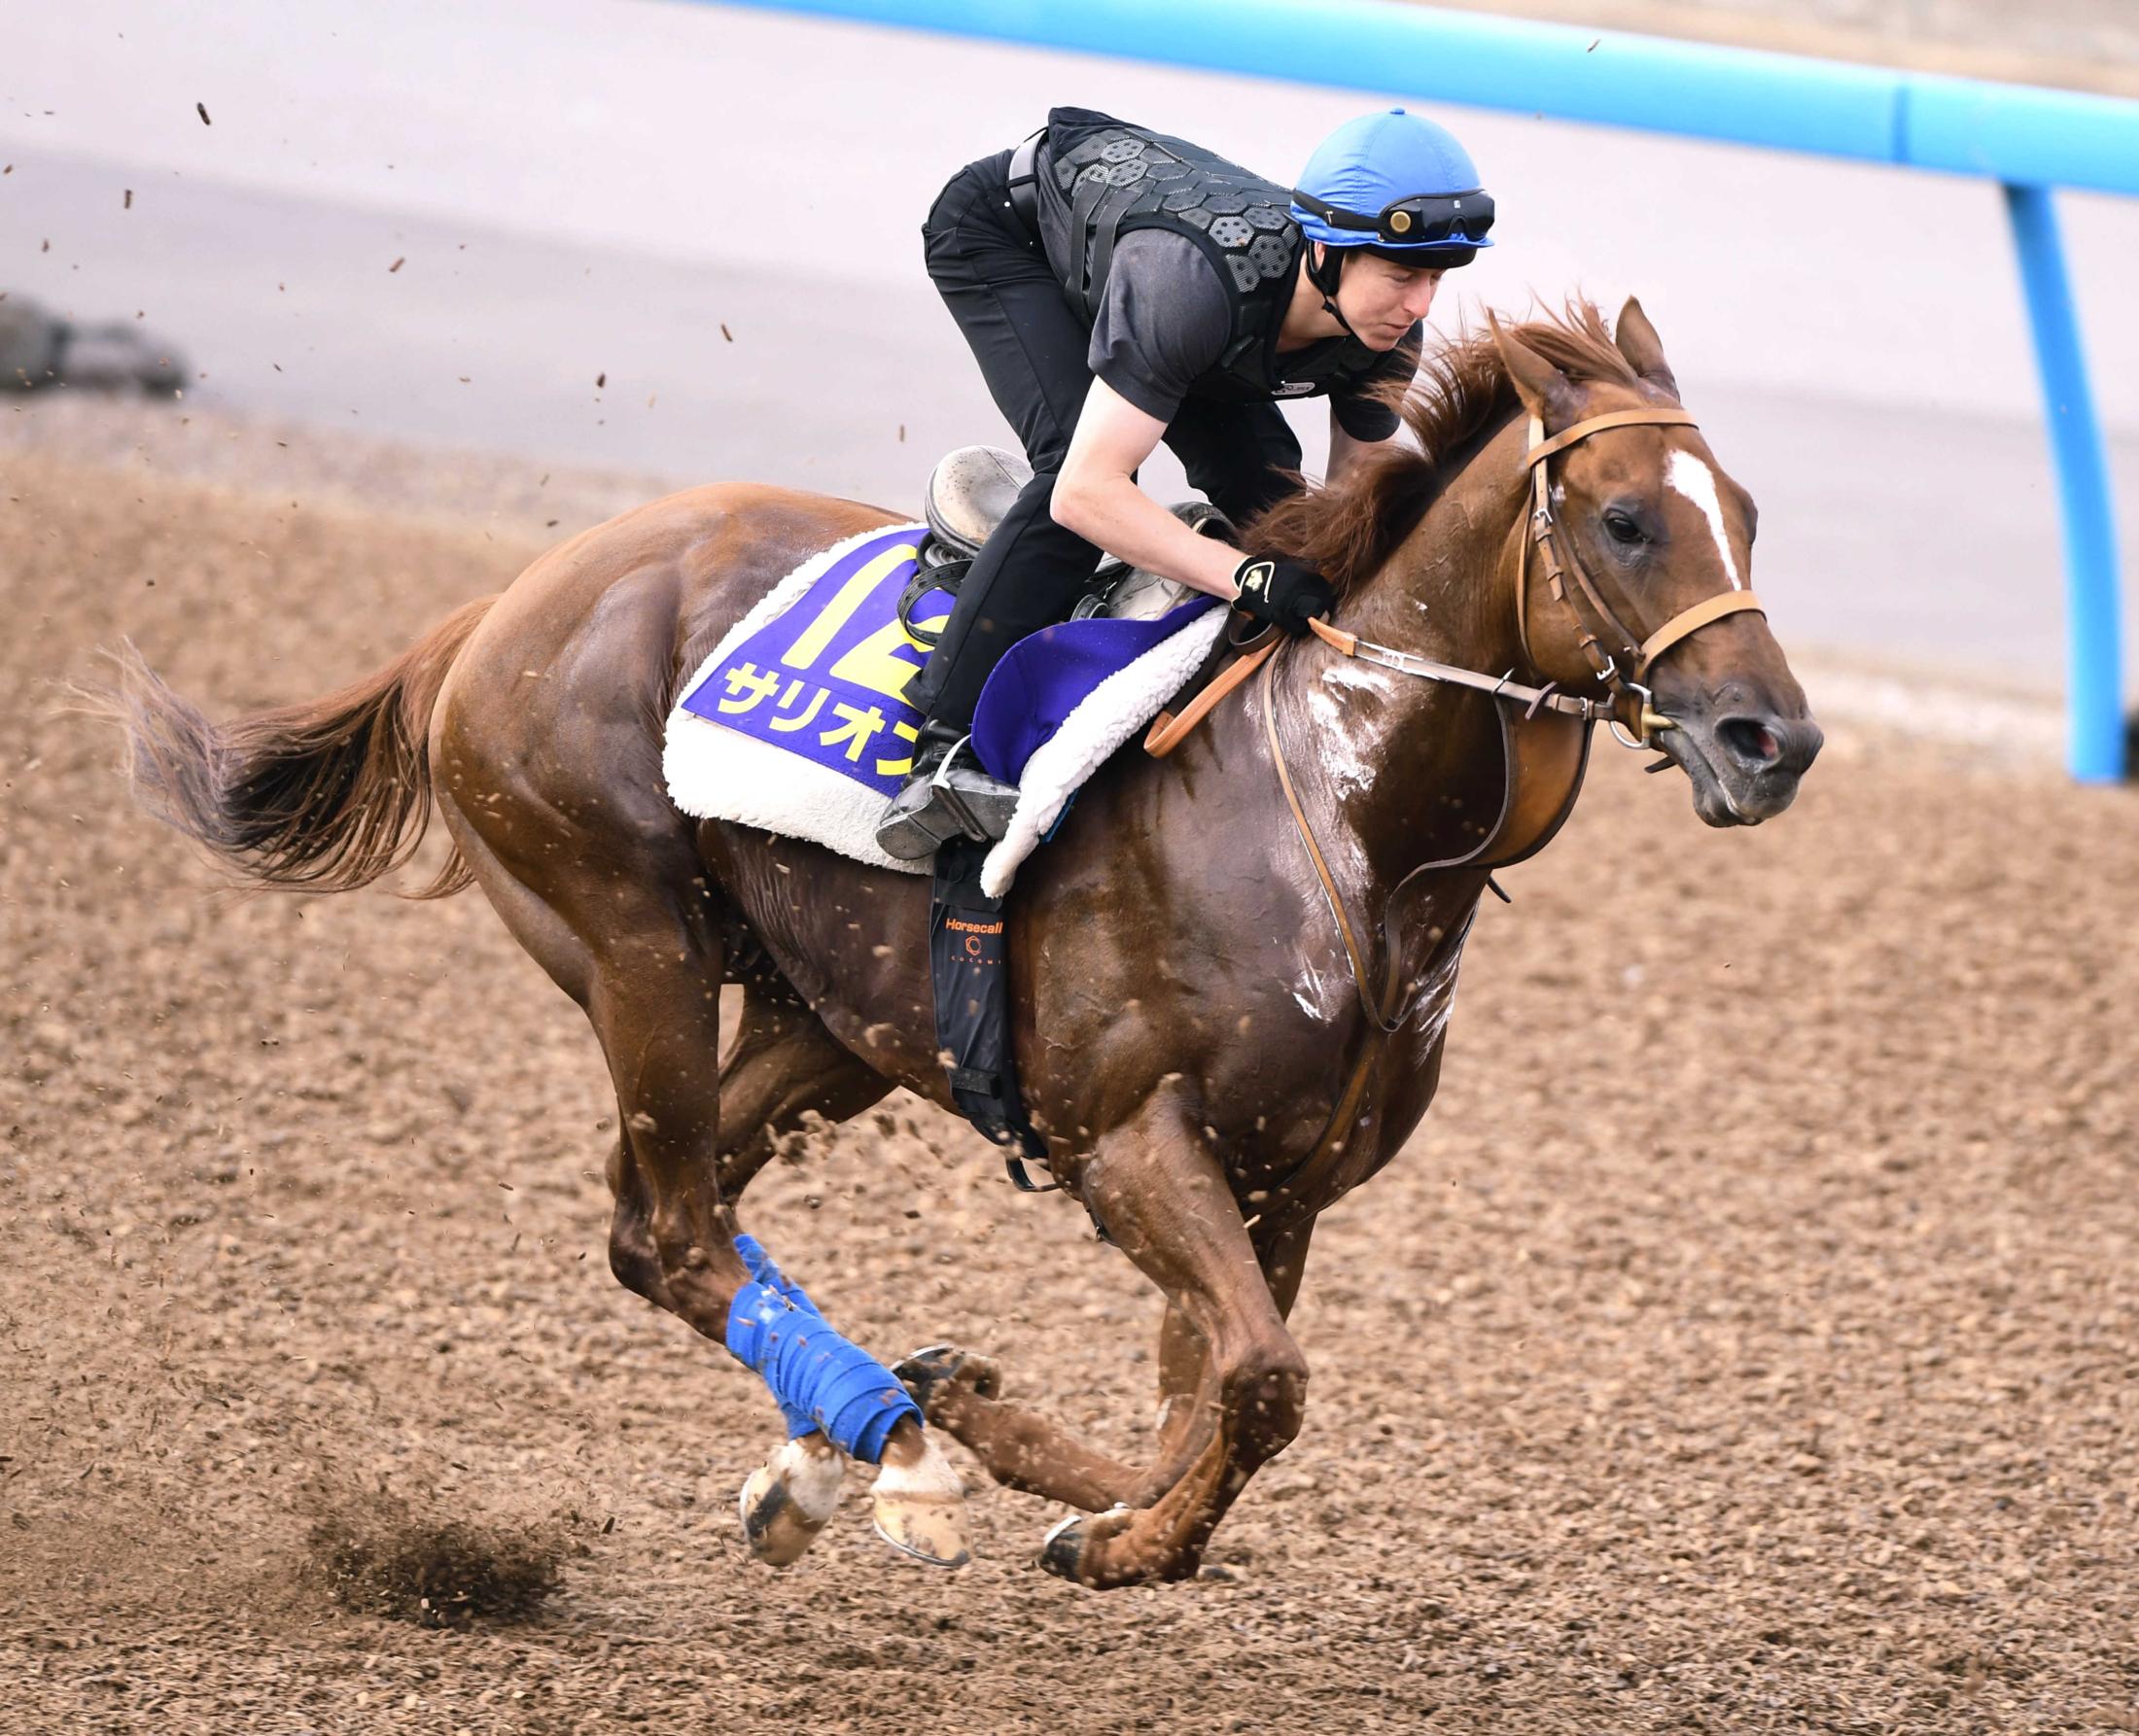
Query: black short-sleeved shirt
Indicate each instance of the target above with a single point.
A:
(1165, 318)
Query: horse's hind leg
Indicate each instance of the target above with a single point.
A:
(785, 1067)
(782, 1067)
(636, 941)
(788, 1500)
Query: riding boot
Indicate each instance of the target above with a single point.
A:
(1028, 575)
(946, 795)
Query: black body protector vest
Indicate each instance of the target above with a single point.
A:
(1114, 178)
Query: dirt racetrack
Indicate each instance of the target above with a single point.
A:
(1746, 1343)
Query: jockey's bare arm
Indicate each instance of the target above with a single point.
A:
(1097, 496)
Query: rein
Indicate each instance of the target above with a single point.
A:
(1628, 708)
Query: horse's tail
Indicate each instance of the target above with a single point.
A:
(323, 797)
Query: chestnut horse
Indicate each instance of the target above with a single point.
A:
(1185, 951)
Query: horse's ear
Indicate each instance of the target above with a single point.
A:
(1638, 342)
(1546, 393)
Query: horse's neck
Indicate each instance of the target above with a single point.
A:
(1405, 765)
(1448, 590)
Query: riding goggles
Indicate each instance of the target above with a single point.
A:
(1421, 220)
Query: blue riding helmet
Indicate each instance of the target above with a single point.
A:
(1397, 183)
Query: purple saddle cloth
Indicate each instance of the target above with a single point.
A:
(1044, 677)
(825, 679)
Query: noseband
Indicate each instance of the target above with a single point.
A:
(1619, 659)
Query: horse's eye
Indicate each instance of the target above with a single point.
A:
(1623, 528)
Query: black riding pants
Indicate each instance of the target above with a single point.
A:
(995, 278)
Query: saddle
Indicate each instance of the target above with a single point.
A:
(969, 492)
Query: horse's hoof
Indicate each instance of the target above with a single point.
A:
(920, 1509)
(787, 1500)
(1061, 1547)
(1063, 1550)
(927, 1372)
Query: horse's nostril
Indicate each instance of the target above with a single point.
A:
(1750, 741)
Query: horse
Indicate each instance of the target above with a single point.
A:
(1233, 968)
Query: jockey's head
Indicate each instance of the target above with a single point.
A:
(1398, 197)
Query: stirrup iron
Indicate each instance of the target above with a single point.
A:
(959, 800)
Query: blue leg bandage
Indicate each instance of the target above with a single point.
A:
(799, 1421)
(821, 1380)
(765, 1273)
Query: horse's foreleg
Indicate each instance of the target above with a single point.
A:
(1188, 1376)
(1163, 1194)
(1021, 1449)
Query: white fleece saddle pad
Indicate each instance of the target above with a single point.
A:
(797, 723)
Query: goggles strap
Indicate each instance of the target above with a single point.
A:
(1380, 225)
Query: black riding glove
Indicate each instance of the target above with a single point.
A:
(1283, 593)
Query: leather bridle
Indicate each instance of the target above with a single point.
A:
(1615, 655)
(1617, 658)
(1628, 708)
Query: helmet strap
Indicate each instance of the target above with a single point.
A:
(1325, 275)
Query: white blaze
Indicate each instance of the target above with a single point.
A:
(1694, 480)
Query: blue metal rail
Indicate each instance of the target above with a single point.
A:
(2030, 140)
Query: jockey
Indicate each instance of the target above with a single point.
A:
(1118, 288)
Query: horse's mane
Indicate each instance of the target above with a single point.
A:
(1462, 398)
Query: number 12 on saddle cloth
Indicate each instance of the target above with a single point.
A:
(818, 670)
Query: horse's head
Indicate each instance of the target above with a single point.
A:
(1648, 527)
